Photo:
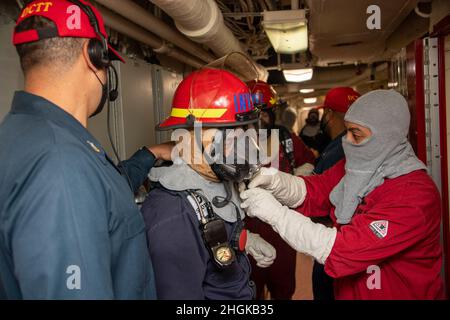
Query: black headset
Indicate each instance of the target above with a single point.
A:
(99, 56)
(98, 49)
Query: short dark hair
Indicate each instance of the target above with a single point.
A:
(59, 51)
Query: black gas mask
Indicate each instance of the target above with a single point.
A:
(234, 154)
(313, 118)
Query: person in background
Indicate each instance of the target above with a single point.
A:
(337, 102)
(386, 209)
(70, 228)
(195, 229)
(294, 157)
(289, 117)
(312, 134)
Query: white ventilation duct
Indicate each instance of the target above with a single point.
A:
(145, 19)
(202, 21)
(131, 30)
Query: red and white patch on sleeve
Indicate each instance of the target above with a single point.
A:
(380, 228)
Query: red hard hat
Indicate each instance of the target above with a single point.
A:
(340, 99)
(212, 97)
(70, 21)
(264, 96)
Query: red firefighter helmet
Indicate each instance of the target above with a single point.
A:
(263, 94)
(212, 97)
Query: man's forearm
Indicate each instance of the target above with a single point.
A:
(136, 169)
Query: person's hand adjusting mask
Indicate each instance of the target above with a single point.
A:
(286, 188)
(297, 230)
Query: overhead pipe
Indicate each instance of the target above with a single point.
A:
(367, 74)
(421, 14)
(262, 5)
(146, 20)
(132, 30)
(203, 22)
(271, 5)
(413, 27)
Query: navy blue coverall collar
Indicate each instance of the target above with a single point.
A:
(27, 103)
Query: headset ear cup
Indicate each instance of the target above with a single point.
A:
(97, 54)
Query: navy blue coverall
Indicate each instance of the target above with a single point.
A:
(184, 270)
(69, 227)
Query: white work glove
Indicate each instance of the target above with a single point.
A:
(262, 251)
(286, 188)
(297, 230)
(304, 170)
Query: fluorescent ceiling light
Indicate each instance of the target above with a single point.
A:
(310, 100)
(287, 30)
(392, 84)
(298, 75)
(306, 91)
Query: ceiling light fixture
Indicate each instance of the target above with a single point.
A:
(305, 91)
(287, 30)
(298, 75)
(392, 84)
(310, 100)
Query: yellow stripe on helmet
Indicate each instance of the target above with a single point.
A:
(198, 113)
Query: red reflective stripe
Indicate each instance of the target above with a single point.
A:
(26, 36)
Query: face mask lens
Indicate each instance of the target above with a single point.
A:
(239, 152)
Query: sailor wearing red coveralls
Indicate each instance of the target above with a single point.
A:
(385, 243)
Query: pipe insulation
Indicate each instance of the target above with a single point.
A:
(132, 30)
(203, 22)
(146, 20)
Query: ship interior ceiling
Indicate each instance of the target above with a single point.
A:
(164, 41)
(342, 50)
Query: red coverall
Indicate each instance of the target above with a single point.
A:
(280, 276)
(409, 254)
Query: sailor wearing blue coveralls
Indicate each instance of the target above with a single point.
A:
(69, 227)
(191, 246)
